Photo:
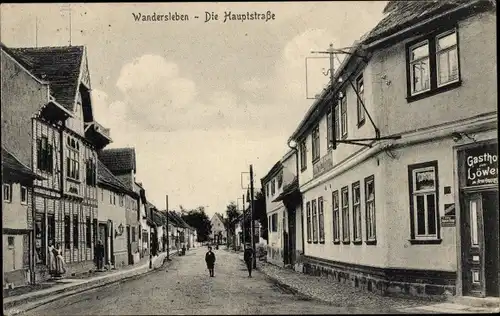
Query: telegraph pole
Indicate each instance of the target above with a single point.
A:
(252, 224)
(331, 51)
(243, 223)
(168, 236)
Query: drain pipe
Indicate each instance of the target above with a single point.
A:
(294, 148)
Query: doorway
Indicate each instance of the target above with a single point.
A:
(103, 237)
(129, 246)
(480, 244)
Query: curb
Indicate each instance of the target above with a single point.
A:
(34, 302)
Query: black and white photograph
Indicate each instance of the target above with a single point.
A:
(250, 158)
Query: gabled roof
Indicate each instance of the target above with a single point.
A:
(158, 218)
(217, 215)
(404, 14)
(58, 65)
(10, 164)
(119, 160)
(106, 177)
(277, 167)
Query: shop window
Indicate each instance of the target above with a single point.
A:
(321, 220)
(314, 222)
(7, 192)
(356, 213)
(308, 207)
(345, 215)
(371, 232)
(336, 216)
(424, 201)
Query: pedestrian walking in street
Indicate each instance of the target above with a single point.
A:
(248, 258)
(210, 260)
(99, 255)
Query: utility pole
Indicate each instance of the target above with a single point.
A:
(252, 224)
(168, 236)
(331, 51)
(36, 31)
(243, 223)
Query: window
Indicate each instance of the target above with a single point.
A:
(11, 242)
(73, 159)
(114, 198)
(94, 228)
(44, 152)
(356, 212)
(91, 173)
(314, 222)
(343, 114)
(321, 220)
(7, 193)
(67, 232)
(24, 195)
(308, 208)
(273, 187)
(433, 63)
(315, 143)
(75, 231)
(424, 201)
(419, 68)
(303, 155)
(121, 200)
(267, 189)
(447, 58)
(274, 222)
(371, 232)
(280, 179)
(133, 234)
(337, 121)
(110, 197)
(329, 129)
(360, 109)
(345, 215)
(336, 217)
(88, 232)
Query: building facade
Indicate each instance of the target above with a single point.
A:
(405, 213)
(218, 233)
(17, 221)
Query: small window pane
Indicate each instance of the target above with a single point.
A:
(431, 213)
(425, 180)
(447, 41)
(420, 52)
(420, 215)
(420, 73)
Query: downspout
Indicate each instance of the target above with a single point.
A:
(294, 148)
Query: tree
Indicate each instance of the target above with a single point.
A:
(261, 212)
(198, 219)
(232, 213)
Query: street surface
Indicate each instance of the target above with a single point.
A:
(186, 288)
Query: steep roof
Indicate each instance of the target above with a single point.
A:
(60, 66)
(106, 177)
(277, 166)
(403, 14)
(10, 164)
(119, 160)
(219, 217)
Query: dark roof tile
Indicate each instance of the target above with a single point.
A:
(105, 176)
(12, 165)
(60, 66)
(119, 160)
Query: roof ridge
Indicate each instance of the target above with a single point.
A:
(49, 47)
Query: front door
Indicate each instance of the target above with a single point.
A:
(480, 242)
(129, 247)
(285, 242)
(103, 237)
(291, 237)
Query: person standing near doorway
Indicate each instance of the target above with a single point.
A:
(210, 260)
(99, 255)
(248, 258)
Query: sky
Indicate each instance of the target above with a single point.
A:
(199, 101)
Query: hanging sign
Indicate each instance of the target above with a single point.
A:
(481, 165)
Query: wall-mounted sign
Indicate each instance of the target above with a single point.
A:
(481, 165)
(323, 165)
(448, 221)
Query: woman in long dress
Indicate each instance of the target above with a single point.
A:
(52, 260)
(60, 264)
